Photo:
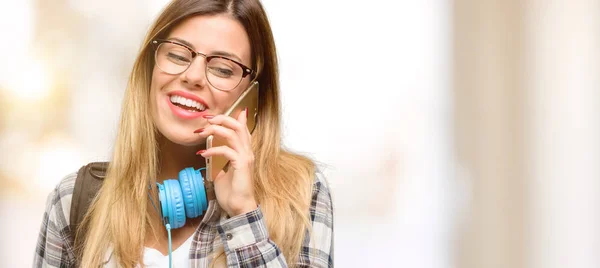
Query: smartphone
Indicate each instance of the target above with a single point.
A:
(249, 99)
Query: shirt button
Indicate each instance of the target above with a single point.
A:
(229, 236)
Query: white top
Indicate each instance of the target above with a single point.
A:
(154, 259)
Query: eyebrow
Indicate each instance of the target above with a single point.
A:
(213, 53)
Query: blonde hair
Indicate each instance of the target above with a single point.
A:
(119, 218)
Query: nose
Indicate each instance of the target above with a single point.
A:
(195, 75)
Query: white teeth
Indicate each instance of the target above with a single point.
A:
(187, 102)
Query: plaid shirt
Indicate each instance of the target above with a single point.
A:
(244, 238)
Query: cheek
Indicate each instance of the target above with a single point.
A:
(224, 100)
(158, 82)
(154, 90)
(242, 86)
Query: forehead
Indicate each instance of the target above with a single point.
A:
(211, 33)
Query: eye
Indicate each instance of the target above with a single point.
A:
(177, 58)
(224, 68)
(221, 71)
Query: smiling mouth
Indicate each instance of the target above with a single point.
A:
(187, 104)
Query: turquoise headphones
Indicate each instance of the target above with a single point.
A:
(181, 199)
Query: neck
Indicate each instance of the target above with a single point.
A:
(175, 157)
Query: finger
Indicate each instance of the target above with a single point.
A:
(238, 125)
(225, 151)
(232, 137)
(243, 117)
(230, 122)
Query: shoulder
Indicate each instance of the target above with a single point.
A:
(322, 202)
(53, 248)
(321, 184)
(320, 177)
(58, 203)
(66, 185)
(317, 247)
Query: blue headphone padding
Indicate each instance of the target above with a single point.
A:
(182, 198)
(192, 206)
(162, 198)
(198, 184)
(175, 206)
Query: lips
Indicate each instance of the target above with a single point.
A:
(188, 96)
(184, 113)
(187, 103)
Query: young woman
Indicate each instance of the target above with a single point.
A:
(272, 207)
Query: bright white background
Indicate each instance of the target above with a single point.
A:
(365, 90)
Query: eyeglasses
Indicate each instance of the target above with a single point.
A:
(221, 72)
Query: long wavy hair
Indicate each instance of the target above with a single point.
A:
(119, 216)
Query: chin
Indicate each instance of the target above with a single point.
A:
(181, 136)
(190, 141)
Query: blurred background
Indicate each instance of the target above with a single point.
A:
(453, 133)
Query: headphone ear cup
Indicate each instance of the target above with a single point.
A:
(198, 184)
(174, 204)
(198, 187)
(191, 197)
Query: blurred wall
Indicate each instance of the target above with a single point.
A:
(527, 95)
(62, 76)
(489, 108)
(562, 60)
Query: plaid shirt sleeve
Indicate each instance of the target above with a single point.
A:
(54, 247)
(247, 244)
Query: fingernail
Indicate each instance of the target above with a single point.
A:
(200, 152)
(246, 112)
(208, 116)
(199, 130)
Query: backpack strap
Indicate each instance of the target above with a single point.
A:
(87, 184)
